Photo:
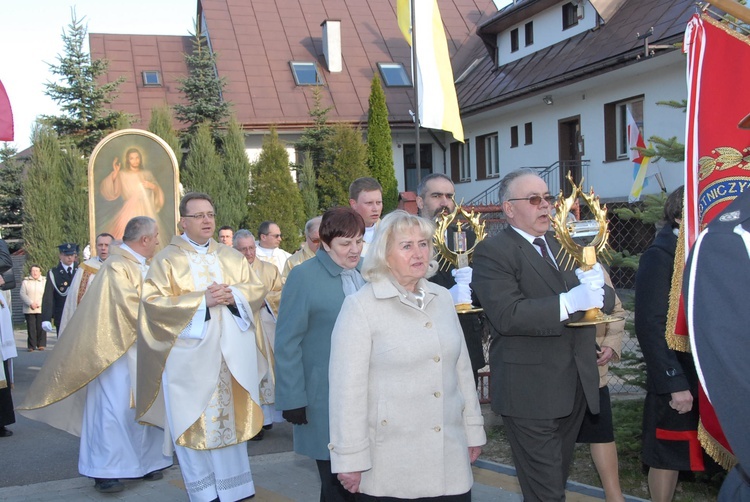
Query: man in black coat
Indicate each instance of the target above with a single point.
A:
(544, 372)
(7, 416)
(56, 290)
(435, 196)
(716, 287)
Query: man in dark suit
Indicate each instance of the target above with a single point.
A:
(715, 285)
(434, 196)
(544, 372)
(56, 289)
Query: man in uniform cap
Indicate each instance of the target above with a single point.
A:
(59, 279)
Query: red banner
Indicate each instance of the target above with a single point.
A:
(6, 116)
(717, 157)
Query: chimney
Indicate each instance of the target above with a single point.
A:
(332, 44)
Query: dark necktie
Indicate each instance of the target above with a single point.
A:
(539, 242)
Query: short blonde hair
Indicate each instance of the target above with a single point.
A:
(375, 264)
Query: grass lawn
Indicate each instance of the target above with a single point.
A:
(627, 416)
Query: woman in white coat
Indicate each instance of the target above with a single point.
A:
(405, 420)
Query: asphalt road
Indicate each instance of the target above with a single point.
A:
(37, 452)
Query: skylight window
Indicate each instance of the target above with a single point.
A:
(151, 78)
(306, 73)
(394, 75)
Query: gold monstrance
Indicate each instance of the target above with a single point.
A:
(452, 245)
(582, 241)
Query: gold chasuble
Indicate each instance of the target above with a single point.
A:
(301, 256)
(104, 326)
(265, 327)
(211, 400)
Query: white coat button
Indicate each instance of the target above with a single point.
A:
(330, 447)
(436, 428)
(437, 394)
(428, 324)
(384, 422)
(436, 359)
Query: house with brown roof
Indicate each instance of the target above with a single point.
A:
(549, 87)
(273, 53)
(540, 83)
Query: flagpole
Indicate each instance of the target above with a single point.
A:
(415, 77)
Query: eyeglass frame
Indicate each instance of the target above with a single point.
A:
(275, 236)
(549, 198)
(200, 216)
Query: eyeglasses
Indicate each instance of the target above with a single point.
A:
(275, 236)
(535, 200)
(315, 241)
(200, 216)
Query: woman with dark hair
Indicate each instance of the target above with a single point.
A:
(671, 406)
(141, 194)
(310, 302)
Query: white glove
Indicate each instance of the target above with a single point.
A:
(47, 326)
(582, 297)
(461, 293)
(462, 275)
(594, 277)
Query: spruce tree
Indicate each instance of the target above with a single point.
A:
(346, 156)
(274, 195)
(203, 172)
(85, 119)
(202, 89)
(11, 195)
(237, 175)
(380, 146)
(308, 188)
(161, 125)
(312, 141)
(44, 191)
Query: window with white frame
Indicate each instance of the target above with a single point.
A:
(491, 156)
(616, 114)
(464, 166)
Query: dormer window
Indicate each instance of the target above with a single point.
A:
(151, 78)
(569, 15)
(306, 73)
(394, 75)
(514, 40)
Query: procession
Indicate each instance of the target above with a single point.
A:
(396, 295)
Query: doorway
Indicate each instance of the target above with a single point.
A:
(410, 164)
(571, 151)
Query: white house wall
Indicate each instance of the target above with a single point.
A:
(657, 79)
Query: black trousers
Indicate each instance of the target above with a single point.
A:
(543, 451)
(7, 416)
(37, 336)
(330, 486)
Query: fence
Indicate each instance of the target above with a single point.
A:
(627, 236)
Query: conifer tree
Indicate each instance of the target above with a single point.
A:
(85, 119)
(202, 89)
(346, 156)
(44, 190)
(203, 171)
(308, 188)
(274, 195)
(11, 195)
(313, 139)
(75, 203)
(380, 146)
(161, 125)
(237, 175)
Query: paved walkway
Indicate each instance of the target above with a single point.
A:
(279, 477)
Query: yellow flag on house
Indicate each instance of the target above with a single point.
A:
(438, 103)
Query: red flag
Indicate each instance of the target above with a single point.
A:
(6, 116)
(717, 158)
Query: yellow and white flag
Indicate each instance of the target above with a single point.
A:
(438, 104)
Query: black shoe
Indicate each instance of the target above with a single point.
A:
(268, 427)
(103, 485)
(5, 433)
(258, 436)
(153, 476)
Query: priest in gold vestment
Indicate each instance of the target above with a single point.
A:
(86, 384)
(197, 356)
(265, 326)
(308, 249)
